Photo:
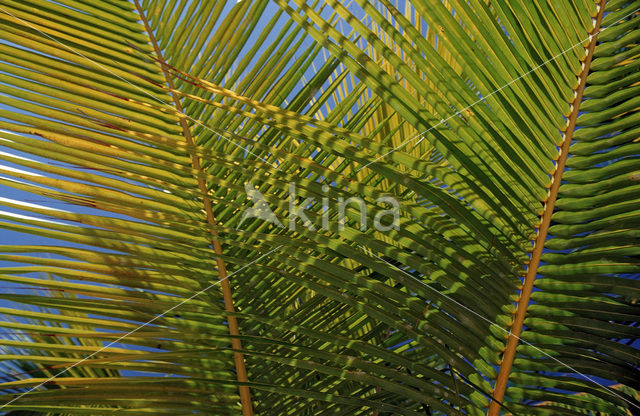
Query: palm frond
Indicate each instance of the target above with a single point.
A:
(143, 128)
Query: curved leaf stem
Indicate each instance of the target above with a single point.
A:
(238, 357)
(532, 269)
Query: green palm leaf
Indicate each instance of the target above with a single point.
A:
(139, 134)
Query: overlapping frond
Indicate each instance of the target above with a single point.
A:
(589, 285)
(453, 110)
